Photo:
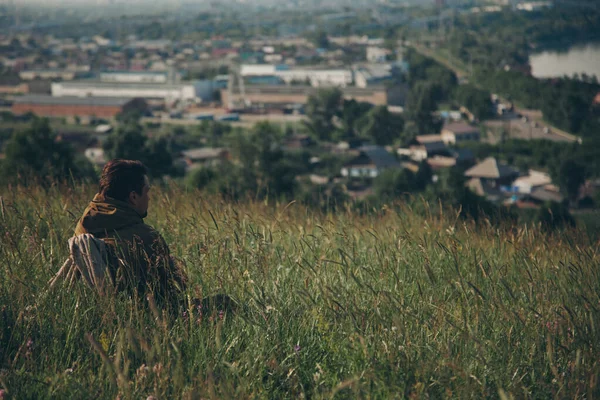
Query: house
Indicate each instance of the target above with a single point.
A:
(491, 170)
(464, 157)
(440, 162)
(488, 176)
(539, 197)
(205, 156)
(104, 128)
(370, 162)
(95, 155)
(424, 147)
(377, 54)
(458, 132)
(453, 158)
(80, 140)
(531, 182)
(544, 195)
(298, 142)
(487, 189)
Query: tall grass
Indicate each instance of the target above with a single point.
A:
(388, 305)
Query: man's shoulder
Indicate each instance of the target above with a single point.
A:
(145, 232)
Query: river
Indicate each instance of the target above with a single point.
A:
(577, 59)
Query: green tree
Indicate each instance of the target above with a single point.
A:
(351, 113)
(129, 142)
(423, 176)
(34, 155)
(421, 103)
(200, 178)
(321, 108)
(393, 183)
(571, 176)
(475, 100)
(554, 216)
(381, 126)
(263, 168)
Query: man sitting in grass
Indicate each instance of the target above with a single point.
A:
(116, 215)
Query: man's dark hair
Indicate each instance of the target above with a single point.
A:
(121, 177)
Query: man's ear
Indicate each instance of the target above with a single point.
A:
(133, 196)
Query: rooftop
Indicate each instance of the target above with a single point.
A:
(280, 89)
(203, 153)
(72, 100)
(117, 85)
(375, 155)
(128, 72)
(490, 168)
(460, 128)
(545, 195)
(534, 178)
(422, 139)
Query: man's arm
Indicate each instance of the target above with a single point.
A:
(165, 275)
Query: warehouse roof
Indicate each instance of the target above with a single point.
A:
(72, 100)
(119, 85)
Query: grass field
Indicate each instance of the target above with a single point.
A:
(393, 304)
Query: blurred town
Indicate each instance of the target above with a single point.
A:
(325, 105)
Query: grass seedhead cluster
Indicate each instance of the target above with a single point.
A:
(393, 303)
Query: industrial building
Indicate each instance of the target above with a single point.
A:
(316, 77)
(278, 97)
(169, 92)
(64, 74)
(373, 74)
(87, 107)
(140, 76)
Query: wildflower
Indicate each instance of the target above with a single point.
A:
(297, 348)
(142, 372)
(2, 394)
(221, 314)
(552, 325)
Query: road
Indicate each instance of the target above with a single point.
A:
(520, 130)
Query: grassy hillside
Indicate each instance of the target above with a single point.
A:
(387, 305)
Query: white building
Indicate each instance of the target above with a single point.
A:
(316, 77)
(371, 161)
(63, 74)
(534, 5)
(377, 54)
(169, 92)
(140, 77)
(528, 183)
(373, 74)
(259, 69)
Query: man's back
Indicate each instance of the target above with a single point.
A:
(148, 264)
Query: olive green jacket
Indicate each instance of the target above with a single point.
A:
(146, 256)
